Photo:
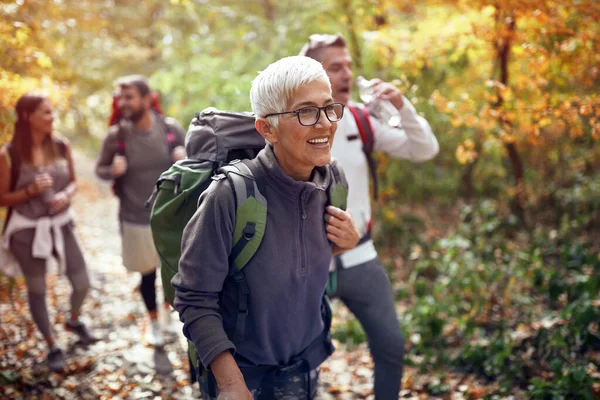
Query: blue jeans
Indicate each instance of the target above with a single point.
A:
(366, 290)
(281, 384)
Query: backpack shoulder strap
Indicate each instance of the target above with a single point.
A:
(337, 192)
(363, 122)
(120, 138)
(250, 223)
(168, 130)
(251, 212)
(14, 162)
(121, 151)
(62, 147)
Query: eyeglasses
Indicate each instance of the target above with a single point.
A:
(309, 116)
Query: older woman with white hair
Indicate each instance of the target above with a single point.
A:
(285, 336)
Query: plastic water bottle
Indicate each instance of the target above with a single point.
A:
(48, 194)
(383, 110)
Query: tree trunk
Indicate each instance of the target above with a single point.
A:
(518, 173)
(380, 18)
(352, 34)
(503, 55)
(81, 127)
(269, 10)
(468, 189)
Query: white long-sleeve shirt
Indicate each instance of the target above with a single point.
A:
(414, 141)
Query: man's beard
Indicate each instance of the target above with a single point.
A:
(136, 115)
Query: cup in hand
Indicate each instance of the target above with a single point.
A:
(119, 165)
(44, 183)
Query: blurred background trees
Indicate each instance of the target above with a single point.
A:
(511, 87)
(496, 233)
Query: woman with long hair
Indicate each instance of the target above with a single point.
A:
(37, 181)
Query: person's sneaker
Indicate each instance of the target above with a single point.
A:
(168, 320)
(56, 360)
(78, 328)
(154, 334)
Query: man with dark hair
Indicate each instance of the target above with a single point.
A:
(362, 283)
(134, 81)
(136, 150)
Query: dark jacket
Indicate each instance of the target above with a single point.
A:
(286, 276)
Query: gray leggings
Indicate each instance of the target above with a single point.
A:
(366, 291)
(34, 270)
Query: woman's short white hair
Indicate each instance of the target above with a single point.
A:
(273, 88)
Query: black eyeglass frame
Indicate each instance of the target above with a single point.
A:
(297, 112)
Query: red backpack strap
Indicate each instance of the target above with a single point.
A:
(171, 138)
(115, 113)
(363, 122)
(160, 114)
(155, 103)
(120, 139)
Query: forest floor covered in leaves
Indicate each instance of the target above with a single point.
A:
(122, 365)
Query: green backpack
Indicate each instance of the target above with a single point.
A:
(217, 143)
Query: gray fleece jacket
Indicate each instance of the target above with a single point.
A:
(286, 276)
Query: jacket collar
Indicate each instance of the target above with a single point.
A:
(319, 180)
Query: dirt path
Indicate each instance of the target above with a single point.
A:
(121, 365)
